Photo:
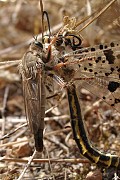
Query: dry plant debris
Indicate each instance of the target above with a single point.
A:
(60, 159)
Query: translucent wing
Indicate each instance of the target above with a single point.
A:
(34, 96)
(99, 68)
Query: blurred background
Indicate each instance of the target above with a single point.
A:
(20, 20)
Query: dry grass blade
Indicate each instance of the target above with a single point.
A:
(27, 166)
(99, 14)
(25, 160)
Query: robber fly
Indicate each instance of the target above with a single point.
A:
(34, 76)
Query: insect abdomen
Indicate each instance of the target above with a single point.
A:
(79, 133)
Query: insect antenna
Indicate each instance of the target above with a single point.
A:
(44, 16)
(42, 21)
(48, 22)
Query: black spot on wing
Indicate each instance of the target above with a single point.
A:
(101, 46)
(112, 44)
(107, 74)
(117, 100)
(95, 72)
(90, 70)
(90, 64)
(118, 56)
(104, 97)
(98, 59)
(92, 49)
(109, 56)
(103, 61)
(112, 69)
(112, 86)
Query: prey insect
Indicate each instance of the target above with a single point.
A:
(99, 66)
(88, 64)
(85, 64)
(80, 135)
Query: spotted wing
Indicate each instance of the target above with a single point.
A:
(98, 70)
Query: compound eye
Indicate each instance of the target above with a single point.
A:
(37, 43)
